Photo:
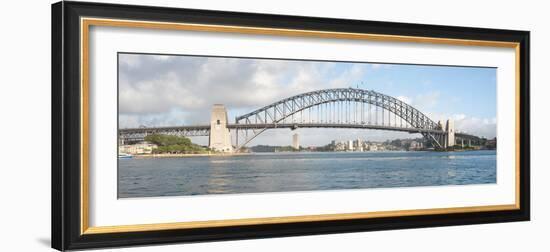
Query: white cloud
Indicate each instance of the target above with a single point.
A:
(426, 101)
(483, 127)
(162, 57)
(349, 78)
(422, 102)
(404, 99)
(130, 61)
(152, 84)
(381, 66)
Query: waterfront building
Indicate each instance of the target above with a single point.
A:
(340, 146)
(350, 145)
(137, 149)
(358, 145)
(416, 145)
(373, 147)
(491, 144)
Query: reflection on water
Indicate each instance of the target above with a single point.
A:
(282, 172)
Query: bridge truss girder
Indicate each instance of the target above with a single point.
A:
(139, 134)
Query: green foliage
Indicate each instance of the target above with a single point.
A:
(166, 140)
(286, 149)
(174, 144)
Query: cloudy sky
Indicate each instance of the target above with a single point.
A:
(162, 90)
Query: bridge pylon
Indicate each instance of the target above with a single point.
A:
(444, 139)
(219, 138)
(450, 132)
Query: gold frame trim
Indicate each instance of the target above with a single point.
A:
(85, 24)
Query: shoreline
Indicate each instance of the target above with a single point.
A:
(188, 155)
(140, 156)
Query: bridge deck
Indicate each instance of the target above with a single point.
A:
(206, 128)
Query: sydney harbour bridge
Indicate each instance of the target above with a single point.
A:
(346, 108)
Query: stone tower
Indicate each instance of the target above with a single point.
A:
(220, 139)
(295, 141)
(450, 129)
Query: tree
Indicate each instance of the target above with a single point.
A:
(173, 144)
(166, 140)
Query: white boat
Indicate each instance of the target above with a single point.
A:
(124, 155)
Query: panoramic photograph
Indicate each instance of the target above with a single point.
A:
(204, 125)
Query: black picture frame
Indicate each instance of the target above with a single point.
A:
(66, 125)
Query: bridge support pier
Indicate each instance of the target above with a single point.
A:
(447, 138)
(295, 141)
(220, 138)
(450, 129)
(442, 139)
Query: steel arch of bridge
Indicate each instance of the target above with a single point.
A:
(280, 111)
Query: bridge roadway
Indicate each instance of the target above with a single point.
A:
(204, 130)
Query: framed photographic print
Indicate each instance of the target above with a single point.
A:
(180, 125)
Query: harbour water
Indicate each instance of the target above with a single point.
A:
(284, 172)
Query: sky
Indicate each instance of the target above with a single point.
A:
(174, 90)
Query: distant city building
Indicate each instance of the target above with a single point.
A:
(491, 144)
(136, 149)
(366, 146)
(413, 145)
(373, 147)
(339, 146)
(295, 141)
(358, 145)
(388, 145)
